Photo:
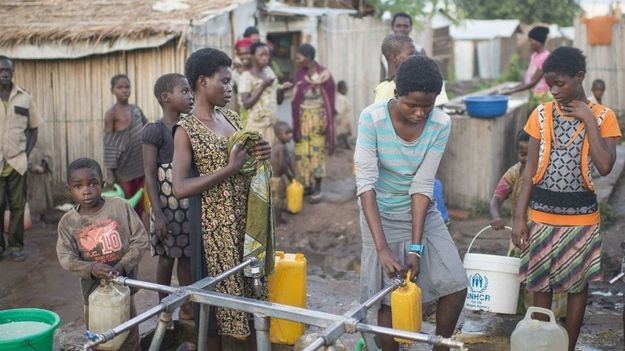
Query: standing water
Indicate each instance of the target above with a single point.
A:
(13, 330)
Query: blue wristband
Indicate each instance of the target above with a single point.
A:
(416, 248)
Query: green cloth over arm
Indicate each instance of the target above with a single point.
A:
(259, 229)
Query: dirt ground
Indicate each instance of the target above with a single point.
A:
(328, 234)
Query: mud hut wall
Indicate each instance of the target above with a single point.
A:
(73, 95)
(606, 62)
(350, 48)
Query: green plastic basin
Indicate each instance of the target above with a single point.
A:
(32, 336)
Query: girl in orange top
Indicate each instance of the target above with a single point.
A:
(561, 242)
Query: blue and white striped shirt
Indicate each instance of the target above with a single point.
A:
(396, 169)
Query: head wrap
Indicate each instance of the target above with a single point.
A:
(243, 43)
(539, 33)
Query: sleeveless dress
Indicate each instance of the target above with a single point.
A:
(223, 217)
(176, 243)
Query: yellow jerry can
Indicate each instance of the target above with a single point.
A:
(294, 196)
(287, 286)
(406, 307)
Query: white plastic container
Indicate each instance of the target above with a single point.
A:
(493, 281)
(536, 335)
(109, 306)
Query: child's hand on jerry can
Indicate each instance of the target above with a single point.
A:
(103, 271)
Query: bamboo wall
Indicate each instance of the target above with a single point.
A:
(350, 48)
(73, 95)
(606, 62)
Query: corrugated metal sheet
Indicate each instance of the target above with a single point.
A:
(464, 59)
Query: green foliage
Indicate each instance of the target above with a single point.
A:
(515, 70)
(561, 12)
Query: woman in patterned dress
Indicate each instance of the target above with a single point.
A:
(313, 119)
(201, 139)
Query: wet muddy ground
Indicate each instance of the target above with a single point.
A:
(328, 234)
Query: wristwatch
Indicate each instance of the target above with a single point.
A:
(416, 248)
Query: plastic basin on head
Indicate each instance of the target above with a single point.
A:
(490, 106)
(41, 340)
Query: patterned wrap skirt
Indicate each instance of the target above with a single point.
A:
(561, 259)
(310, 151)
(176, 242)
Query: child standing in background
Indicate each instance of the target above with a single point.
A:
(597, 89)
(169, 233)
(99, 238)
(508, 187)
(562, 242)
(343, 117)
(123, 155)
(281, 166)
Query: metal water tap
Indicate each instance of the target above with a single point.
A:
(257, 275)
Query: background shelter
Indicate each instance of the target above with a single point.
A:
(348, 44)
(65, 53)
(470, 48)
(606, 62)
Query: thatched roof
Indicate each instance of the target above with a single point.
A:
(70, 21)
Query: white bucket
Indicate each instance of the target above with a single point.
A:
(493, 281)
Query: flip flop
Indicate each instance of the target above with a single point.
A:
(316, 198)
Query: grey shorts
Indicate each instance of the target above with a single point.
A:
(442, 272)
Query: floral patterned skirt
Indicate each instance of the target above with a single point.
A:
(311, 149)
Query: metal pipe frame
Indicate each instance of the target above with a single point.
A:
(261, 324)
(358, 313)
(179, 295)
(335, 325)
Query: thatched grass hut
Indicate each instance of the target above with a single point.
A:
(65, 53)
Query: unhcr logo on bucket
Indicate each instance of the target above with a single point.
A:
(479, 283)
(477, 296)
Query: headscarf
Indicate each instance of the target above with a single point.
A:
(539, 33)
(243, 43)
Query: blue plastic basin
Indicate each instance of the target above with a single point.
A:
(490, 106)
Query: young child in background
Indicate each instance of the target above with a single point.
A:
(562, 241)
(123, 155)
(343, 117)
(396, 48)
(508, 187)
(99, 238)
(281, 166)
(169, 233)
(597, 89)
